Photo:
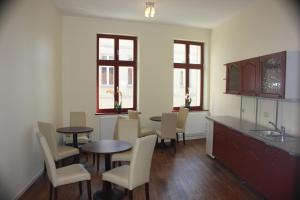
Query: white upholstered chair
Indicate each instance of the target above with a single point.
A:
(143, 131)
(181, 122)
(127, 130)
(138, 172)
(64, 175)
(78, 119)
(168, 128)
(59, 152)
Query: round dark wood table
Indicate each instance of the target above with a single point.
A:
(107, 148)
(72, 130)
(156, 118)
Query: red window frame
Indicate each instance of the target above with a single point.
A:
(116, 63)
(187, 66)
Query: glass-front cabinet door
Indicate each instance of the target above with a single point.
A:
(272, 75)
(233, 79)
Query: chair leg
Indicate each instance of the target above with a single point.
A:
(89, 189)
(98, 157)
(147, 191)
(50, 191)
(45, 168)
(94, 159)
(177, 138)
(173, 144)
(183, 135)
(80, 188)
(119, 163)
(55, 193)
(130, 195)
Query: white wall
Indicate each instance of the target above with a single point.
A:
(155, 63)
(30, 38)
(266, 27)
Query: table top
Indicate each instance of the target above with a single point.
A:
(74, 130)
(156, 118)
(107, 146)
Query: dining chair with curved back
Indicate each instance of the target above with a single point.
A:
(143, 131)
(78, 119)
(127, 130)
(181, 122)
(65, 175)
(59, 152)
(138, 172)
(168, 128)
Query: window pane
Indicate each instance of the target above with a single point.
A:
(179, 87)
(106, 49)
(106, 91)
(126, 50)
(179, 53)
(125, 88)
(195, 54)
(103, 76)
(194, 86)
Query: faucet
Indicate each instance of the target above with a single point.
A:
(275, 127)
(282, 131)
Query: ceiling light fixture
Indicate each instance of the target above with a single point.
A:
(149, 10)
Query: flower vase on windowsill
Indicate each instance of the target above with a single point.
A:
(188, 101)
(118, 107)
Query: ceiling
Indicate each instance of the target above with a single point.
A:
(197, 13)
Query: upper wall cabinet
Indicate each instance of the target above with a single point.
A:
(272, 75)
(275, 76)
(233, 78)
(250, 71)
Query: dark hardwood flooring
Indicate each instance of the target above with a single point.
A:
(187, 175)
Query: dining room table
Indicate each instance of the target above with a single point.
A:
(107, 148)
(74, 131)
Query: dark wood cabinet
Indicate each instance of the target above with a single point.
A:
(261, 76)
(250, 84)
(233, 79)
(272, 75)
(272, 172)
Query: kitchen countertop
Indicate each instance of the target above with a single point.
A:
(291, 145)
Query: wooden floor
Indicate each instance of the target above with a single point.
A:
(187, 175)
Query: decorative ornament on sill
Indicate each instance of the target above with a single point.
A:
(149, 9)
(188, 99)
(118, 104)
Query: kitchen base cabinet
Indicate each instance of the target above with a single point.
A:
(270, 171)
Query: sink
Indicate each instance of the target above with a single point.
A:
(273, 135)
(270, 133)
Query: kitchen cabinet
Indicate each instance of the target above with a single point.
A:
(275, 75)
(233, 83)
(272, 75)
(272, 172)
(250, 69)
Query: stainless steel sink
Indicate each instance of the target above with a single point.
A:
(273, 135)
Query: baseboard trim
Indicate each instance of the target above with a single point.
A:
(29, 184)
(192, 136)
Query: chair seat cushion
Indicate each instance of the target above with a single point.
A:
(118, 176)
(179, 130)
(146, 131)
(81, 139)
(72, 174)
(124, 156)
(66, 151)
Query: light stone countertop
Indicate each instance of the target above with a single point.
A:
(290, 145)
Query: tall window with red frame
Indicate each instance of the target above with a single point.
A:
(188, 74)
(116, 72)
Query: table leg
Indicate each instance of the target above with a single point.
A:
(107, 192)
(75, 143)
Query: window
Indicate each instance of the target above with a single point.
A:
(188, 74)
(116, 71)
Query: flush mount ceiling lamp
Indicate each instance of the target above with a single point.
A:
(149, 10)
